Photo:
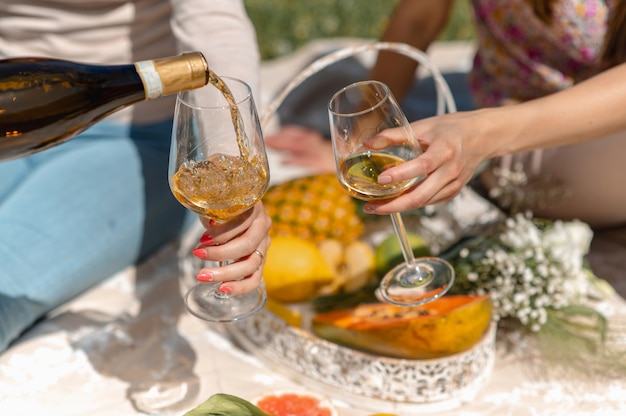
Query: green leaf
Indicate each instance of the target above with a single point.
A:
(576, 338)
(226, 405)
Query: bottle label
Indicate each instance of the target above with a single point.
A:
(150, 78)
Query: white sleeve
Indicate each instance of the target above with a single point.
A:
(223, 32)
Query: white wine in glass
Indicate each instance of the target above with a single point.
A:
(218, 169)
(359, 115)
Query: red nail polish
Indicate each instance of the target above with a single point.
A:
(206, 239)
(225, 290)
(200, 253)
(204, 276)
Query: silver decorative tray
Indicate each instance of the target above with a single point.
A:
(366, 380)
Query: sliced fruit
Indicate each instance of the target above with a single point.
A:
(353, 265)
(295, 403)
(360, 262)
(333, 252)
(446, 326)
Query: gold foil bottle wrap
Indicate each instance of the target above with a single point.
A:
(184, 72)
(169, 75)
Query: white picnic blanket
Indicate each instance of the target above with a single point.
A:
(128, 344)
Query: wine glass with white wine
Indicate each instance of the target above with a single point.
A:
(359, 116)
(218, 169)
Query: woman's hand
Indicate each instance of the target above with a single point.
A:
(305, 147)
(244, 240)
(450, 159)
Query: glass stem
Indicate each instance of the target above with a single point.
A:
(398, 226)
(217, 293)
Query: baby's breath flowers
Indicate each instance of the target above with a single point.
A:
(527, 266)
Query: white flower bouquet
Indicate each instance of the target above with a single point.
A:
(535, 273)
(527, 266)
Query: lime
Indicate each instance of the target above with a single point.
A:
(389, 252)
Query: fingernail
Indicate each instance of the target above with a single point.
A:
(206, 239)
(225, 290)
(200, 253)
(204, 276)
(384, 179)
(211, 221)
(368, 209)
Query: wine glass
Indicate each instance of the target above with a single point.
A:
(359, 115)
(218, 169)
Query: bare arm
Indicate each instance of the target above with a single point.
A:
(591, 109)
(416, 23)
(457, 143)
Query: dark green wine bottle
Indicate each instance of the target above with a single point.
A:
(45, 102)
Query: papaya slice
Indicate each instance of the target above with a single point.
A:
(446, 326)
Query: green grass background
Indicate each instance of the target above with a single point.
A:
(285, 25)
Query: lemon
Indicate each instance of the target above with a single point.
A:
(284, 312)
(294, 269)
(389, 252)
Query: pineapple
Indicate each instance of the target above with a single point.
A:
(315, 208)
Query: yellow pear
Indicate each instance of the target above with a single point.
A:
(360, 262)
(353, 264)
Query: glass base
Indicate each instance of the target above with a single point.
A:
(425, 280)
(205, 302)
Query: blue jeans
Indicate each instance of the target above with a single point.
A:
(78, 213)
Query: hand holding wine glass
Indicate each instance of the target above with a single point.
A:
(359, 115)
(242, 238)
(219, 169)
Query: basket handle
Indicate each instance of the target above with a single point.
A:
(445, 99)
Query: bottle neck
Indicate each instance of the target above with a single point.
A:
(170, 75)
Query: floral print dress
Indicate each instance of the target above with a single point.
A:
(520, 57)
